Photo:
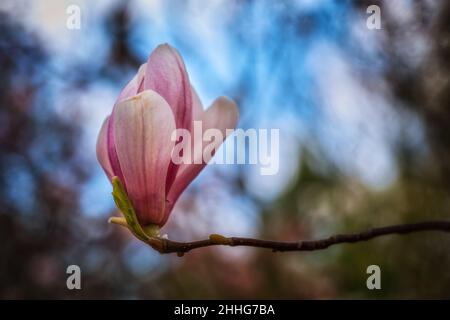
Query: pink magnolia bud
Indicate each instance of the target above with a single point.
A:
(135, 143)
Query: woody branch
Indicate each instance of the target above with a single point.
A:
(170, 246)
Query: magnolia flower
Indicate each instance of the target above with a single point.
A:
(135, 145)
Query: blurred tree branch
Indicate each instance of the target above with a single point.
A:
(169, 246)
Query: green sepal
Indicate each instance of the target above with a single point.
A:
(125, 206)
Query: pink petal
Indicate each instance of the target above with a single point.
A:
(135, 86)
(197, 107)
(131, 89)
(166, 74)
(223, 114)
(111, 144)
(143, 126)
(197, 113)
(102, 149)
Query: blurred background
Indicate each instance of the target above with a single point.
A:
(364, 124)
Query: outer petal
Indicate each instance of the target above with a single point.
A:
(102, 149)
(135, 86)
(197, 107)
(223, 114)
(131, 89)
(166, 74)
(197, 113)
(142, 126)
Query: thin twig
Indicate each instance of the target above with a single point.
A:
(169, 246)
